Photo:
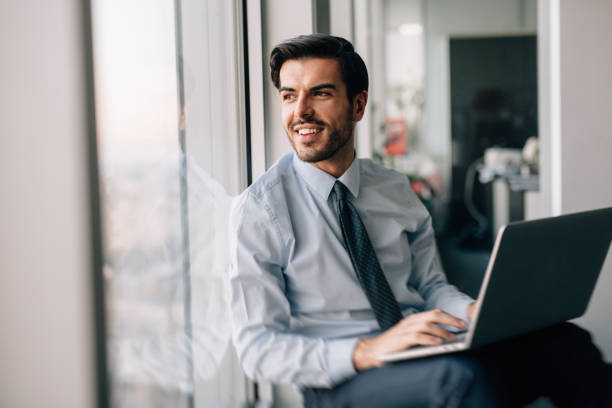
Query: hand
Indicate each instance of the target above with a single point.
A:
(471, 309)
(419, 329)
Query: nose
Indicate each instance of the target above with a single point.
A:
(303, 107)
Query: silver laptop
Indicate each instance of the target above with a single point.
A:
(540, 273)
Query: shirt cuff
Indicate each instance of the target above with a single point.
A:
(340, 358)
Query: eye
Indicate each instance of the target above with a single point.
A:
(287, 97)
(322, 93)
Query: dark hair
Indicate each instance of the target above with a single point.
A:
(353, 69)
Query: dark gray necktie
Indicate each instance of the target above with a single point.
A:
(365, 262)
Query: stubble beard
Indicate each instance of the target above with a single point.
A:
(338, 138)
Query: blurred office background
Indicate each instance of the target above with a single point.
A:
(128, 126)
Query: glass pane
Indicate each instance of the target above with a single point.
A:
(210, 125)
(167, 172)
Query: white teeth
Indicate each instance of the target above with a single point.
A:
(307, 131)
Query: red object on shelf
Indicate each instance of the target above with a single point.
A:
(396, 136)
(418, 187)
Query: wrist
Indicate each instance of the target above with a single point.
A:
(362, 356)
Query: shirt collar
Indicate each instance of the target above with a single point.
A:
(322, 182)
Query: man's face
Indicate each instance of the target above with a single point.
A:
(317, 115)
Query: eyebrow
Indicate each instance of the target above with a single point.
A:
(323, 86)
(314, 88)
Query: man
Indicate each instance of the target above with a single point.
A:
(334, 265)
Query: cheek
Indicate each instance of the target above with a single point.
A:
(286, 115)
(337, 116)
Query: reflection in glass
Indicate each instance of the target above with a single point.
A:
(166, 171)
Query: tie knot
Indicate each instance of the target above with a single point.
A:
(340, 190)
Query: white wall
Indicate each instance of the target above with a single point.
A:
(46, 315)
(281, 20)
(341, 18)
(585, 139)
(443, 19)
(363, 41)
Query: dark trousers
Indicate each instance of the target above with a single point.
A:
(559, 362)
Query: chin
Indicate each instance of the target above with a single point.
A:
(308, 157)
(314, 156)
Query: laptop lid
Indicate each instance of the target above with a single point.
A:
(541, 273)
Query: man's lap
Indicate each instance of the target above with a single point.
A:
(441, 381)
(560, 362)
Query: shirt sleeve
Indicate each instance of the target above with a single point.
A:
(427, 275)
(261, 310)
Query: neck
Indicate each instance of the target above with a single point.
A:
(339, 163)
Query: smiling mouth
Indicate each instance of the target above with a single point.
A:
(307, 136)
(308, 131)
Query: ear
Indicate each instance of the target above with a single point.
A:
(359, 103)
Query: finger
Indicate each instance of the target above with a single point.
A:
(422, 327)
(420, 339)
(441, 317)
(434, 329)
(428, 328)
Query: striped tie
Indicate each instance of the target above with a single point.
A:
(365, 263)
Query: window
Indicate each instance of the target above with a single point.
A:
(172, 145)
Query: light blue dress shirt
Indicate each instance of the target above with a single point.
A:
(297, 305)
